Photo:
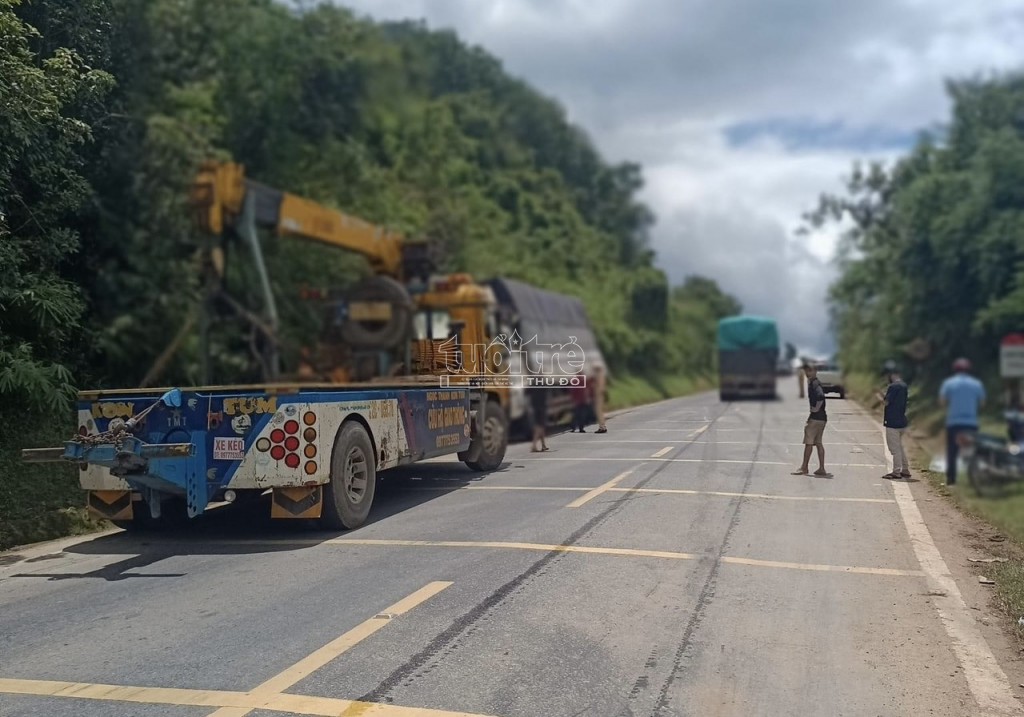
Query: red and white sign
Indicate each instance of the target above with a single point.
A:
(228, 449)
(1011, 356)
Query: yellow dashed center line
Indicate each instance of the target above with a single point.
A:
(237, 702)
(590, 495)
(662, 452)
(313, 662)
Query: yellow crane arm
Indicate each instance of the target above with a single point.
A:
(220, 191)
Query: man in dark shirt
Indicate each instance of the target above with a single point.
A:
(816, 421)
(895, 420)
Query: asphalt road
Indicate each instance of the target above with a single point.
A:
(672, 566)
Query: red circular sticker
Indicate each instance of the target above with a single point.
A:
(291, 443)
(277, 453)
(291, 427)
(292, 461)
(277, 435)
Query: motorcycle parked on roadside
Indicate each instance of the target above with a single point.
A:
(993, 461)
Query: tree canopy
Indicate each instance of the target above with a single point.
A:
(933, 260)
(115, 102)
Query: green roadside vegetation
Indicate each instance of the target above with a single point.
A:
(112, 104)
(631, 391)
(39, 502)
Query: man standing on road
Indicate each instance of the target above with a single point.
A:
(539, 404)
(895, 421)
(815, 428)
(963, 396)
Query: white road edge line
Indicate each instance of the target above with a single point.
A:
(985, 678)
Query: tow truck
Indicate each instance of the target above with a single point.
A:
(386, 391)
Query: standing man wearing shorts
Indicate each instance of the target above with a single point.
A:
(815, 427)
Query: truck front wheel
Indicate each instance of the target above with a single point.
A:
(348, 496)
(493, 438)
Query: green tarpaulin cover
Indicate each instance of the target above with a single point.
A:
(747, 332)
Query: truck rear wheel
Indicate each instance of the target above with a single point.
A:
(493, 438)
(348, 496)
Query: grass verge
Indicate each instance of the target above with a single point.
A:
(38, 501)
(1005, 514)
(628, 391)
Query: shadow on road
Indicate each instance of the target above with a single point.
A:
(247, 529)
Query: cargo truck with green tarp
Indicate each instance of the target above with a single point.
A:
(748, 350)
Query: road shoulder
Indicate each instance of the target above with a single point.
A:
(969, 546)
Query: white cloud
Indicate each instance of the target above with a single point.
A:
(661, 81)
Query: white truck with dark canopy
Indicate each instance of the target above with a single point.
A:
(548, 322)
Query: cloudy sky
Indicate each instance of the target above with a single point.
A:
(741, 111)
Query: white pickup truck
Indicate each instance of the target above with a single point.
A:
(831, 377)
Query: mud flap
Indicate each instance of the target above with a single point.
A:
(110, 504)
(297, 503)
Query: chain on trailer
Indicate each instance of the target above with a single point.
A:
(120, 451)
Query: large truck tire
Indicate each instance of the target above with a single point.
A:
(380, 335)
(348, 496)
(493, 438)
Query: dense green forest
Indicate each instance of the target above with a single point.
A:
(933, 259)
(109, 106)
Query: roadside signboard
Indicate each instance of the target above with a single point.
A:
(1011, 356)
